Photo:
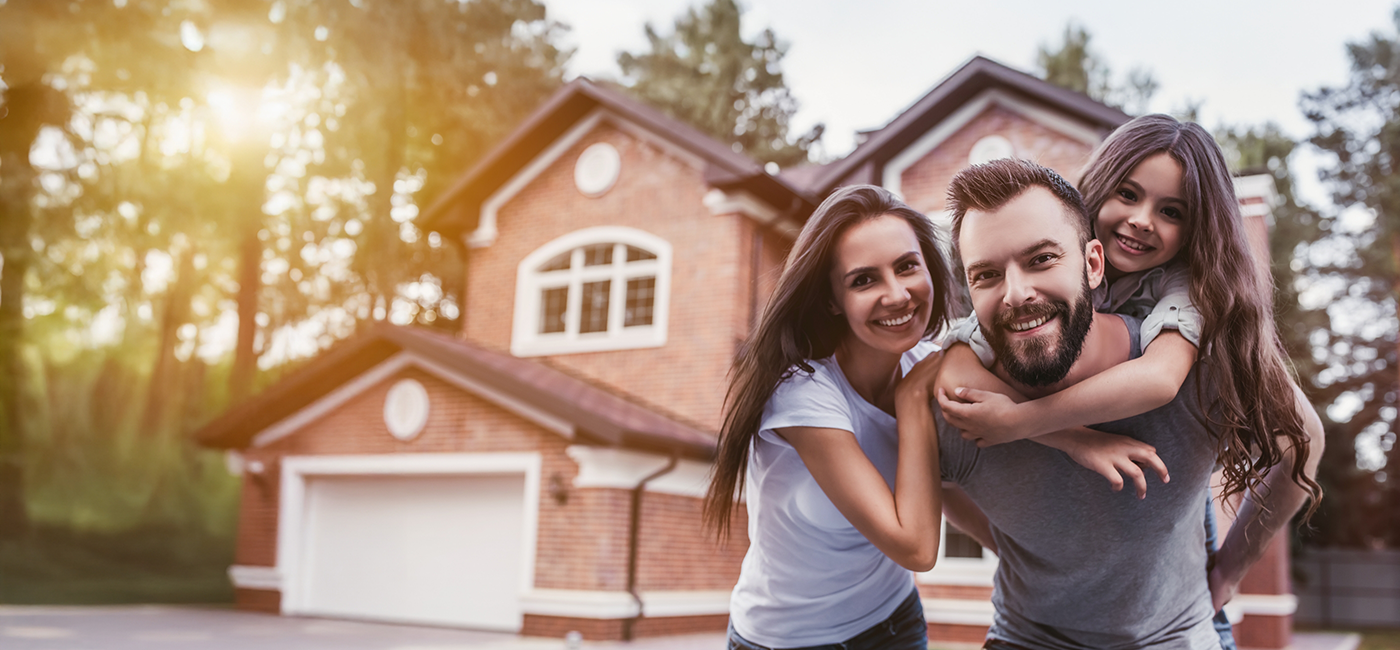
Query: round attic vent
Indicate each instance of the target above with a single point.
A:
(597, 169)
(992, 147)
(406, 409)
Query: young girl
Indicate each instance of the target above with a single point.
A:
(1169, 222)
(842, 502)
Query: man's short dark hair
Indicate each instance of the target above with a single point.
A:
(990, 185)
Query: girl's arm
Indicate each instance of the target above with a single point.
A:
(963, 513)
(1112, 456)
(903, 525)
(1130, 388)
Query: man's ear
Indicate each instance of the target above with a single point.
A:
(1094, 262)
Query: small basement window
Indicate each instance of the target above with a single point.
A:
(595, 289)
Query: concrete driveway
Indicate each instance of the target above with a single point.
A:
(153, 627)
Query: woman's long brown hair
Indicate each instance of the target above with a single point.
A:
(797, 327)
(1254, 400)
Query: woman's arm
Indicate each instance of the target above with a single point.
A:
(1130, 388)
(903, 525)
(1112, 456)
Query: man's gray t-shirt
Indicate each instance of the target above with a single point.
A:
(1082, 566)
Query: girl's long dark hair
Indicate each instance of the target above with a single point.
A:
(1254, 399)
(797, 326)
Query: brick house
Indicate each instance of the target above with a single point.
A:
(615, 259)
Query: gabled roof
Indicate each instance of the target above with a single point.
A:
(458, 208)
(964, 84)
(599, 415)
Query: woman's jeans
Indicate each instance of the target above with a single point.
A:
(905, 629)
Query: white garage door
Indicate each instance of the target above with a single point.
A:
(443, 550)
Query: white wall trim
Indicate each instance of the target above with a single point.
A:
(969, 111)
(486, 229)
(1266, 604)
(742, 202)
(527, 341)
(577, 603)
(952, 611)
(608, 467)
(388, 368)
(291, 516)
(255, 577)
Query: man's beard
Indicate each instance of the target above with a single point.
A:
(1034, 362)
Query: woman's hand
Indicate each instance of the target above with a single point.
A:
(1115, 457)
(984, 416)
(917, 386)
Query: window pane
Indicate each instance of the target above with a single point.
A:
(597, 254)
(595, 307)
(641, 295)
(559, 263)
(553, 304)
(635, 254)
(960, 544)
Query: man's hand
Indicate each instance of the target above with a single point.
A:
(1115, 457)
(987, 417)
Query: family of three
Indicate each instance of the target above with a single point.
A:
(1119, 331)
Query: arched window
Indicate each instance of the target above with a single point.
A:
(604, 288)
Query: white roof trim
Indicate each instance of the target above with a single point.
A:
(969, 111)
(388, 368)
(486, 230)
(608, 467)
(742, 202)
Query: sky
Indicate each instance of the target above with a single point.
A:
(855, 67)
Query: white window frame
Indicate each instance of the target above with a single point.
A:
(527, 341)
(963, 571)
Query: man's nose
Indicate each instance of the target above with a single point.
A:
(1019, 289)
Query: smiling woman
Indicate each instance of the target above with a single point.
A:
(831, 478)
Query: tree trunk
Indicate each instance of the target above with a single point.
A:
(15, 222)
(162, 395)
(1395, 291)
(245, 357)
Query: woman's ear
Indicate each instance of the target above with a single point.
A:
(831, 307)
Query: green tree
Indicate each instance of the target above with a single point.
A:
(705, 74)
(1358, 127)
(1074, 65)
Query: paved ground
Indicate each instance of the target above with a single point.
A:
(193, 628)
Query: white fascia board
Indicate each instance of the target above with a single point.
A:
(969, 111)
(743, 202)
(255, 577)
(609, 467)
(575, 603)
(388, 368)
(961, 572)
(951, 611)
(486, 229)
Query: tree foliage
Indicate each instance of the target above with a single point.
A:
(1357, 126)
(1074, 65)
(705, 74)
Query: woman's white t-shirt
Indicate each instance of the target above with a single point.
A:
(810, 577)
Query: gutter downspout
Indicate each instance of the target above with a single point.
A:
(634, 534)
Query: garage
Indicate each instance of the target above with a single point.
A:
(409, 543)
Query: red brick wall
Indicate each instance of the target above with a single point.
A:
(582, 543)
(925, 183)
(661, 194)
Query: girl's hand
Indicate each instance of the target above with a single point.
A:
(984, 416)
(1115, 457)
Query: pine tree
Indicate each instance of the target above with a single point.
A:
(705, 74)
